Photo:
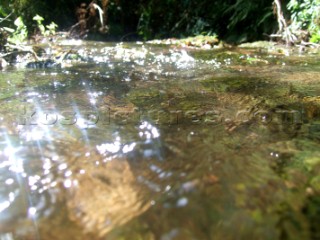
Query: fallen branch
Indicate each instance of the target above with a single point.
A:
(4, 19)
(22, 49)
(78, 24)
(96, 6)
(310, 44)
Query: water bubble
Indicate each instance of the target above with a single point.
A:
(62, 166)
(67, 183)
(4, 205)
(182, 202)
(32, 211)
(9, 181)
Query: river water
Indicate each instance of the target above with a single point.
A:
(141, 141)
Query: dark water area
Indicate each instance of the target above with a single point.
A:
(141, 141)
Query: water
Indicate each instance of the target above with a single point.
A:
(136, 141)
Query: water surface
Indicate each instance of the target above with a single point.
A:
(138, 141)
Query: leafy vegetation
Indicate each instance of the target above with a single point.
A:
(45, 30)
(243, 20)
(19, 34)
(305, 16)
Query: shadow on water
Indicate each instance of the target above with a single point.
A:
(142, 142)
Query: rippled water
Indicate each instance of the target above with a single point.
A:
(137, 141)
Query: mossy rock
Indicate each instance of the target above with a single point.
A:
(258, 44)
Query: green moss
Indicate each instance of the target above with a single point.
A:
(313, 161)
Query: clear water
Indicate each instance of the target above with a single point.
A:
(133, 141)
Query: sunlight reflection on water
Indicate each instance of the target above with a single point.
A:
(123, 140)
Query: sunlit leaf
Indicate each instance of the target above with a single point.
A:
(19, 22)
(38, 18)
(11, 30)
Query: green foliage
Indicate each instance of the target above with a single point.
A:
(236, 20)
(62, 12)
(19, 35)
(233, 20)
(5, 8)
(144, 28)
(51, 28)
(315, 38)
(2, 11)
(248, 20)
(45, 30)
(39, 20)
(305, 15)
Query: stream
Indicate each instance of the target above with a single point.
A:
(158, 142)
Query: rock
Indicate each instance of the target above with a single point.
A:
(3, 63)
(105, 197)
(43, 64)
(258, 44)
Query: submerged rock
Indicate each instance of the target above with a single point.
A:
(105, 197)
(43, 64)
(258, 44)
(3, 63)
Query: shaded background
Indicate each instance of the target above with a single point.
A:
(231, 20)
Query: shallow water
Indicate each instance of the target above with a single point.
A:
(137, 141)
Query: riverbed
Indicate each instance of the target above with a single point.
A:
(145, 141)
